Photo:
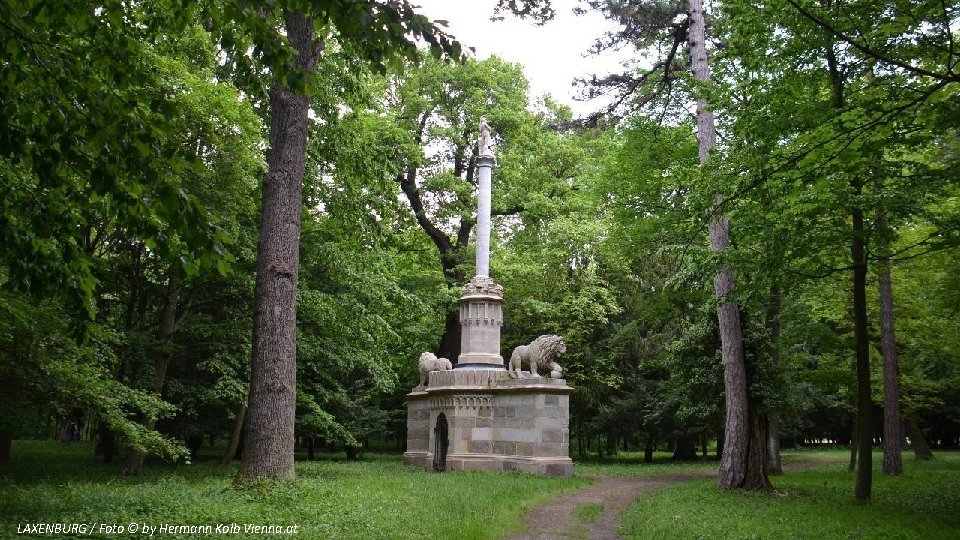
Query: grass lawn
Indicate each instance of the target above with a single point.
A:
(815, 503)
(377, 497)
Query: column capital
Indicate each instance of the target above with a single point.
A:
(486, 160)
(481, 286)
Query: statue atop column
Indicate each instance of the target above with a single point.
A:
(484, 143)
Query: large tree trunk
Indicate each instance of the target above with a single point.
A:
(757, 475)
(733, 464)
(231, 452)
(862, 343)
(269, 446)
(892, 460)
(162, 356)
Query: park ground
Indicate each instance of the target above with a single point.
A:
(378, 497)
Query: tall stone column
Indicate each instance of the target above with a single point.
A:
(484, 171)
(481, 303)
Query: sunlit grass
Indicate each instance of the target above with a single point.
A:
(377, 497)
(814, 503)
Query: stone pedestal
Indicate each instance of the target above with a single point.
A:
(493, 422)
(481, 316)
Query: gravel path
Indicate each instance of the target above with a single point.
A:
(555, 520)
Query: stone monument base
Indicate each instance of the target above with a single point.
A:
(491, 423)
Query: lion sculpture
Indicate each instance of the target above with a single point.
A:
(429, 362)
(540, 354)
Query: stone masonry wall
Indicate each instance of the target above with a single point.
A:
(499, 424)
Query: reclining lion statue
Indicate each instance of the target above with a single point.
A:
(429, 362)
(540, 354)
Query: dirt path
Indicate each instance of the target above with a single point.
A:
(608, 496)
(556, 520)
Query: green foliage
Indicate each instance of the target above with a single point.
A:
(45, 368)
(90, 129)
(131, 147)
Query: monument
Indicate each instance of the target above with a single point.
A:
(480, 415)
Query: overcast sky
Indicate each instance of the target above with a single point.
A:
(552, 55)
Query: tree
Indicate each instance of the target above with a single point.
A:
(865, 153)
(380, 30)
(896, 39)
(892, 461)
(646, 25)
(268, 449)
(735, 465)
(667, 333)
(123, 223)
(45, 367)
